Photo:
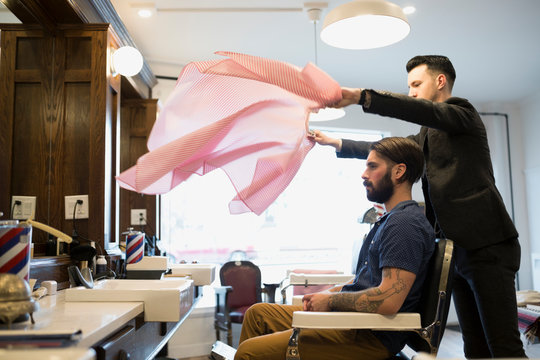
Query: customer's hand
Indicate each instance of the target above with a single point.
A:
(316, 302)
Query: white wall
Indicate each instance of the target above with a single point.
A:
(530, 113)
(517, 128)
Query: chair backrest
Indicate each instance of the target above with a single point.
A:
(245, 279)
(435, 299)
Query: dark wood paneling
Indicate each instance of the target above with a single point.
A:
(29, 144)
(138, 117)
(80, 51)
(29, 53)
(76, 151)
(7, 85)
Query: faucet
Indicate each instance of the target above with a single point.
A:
(82, 253)
(78, 278)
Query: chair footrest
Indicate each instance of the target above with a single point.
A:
(355, 320)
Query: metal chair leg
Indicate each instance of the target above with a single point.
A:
(292, 349)
(229, 336)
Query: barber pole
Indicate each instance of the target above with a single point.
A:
(15, 242)
(134, 247)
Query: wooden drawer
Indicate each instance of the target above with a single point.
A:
(136, 340)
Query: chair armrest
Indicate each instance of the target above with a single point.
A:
(221, 298)
(319, 279)
(312, 279)
(355, 320)
(222, 290)
(270, 291)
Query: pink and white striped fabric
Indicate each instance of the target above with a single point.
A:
(245, 115)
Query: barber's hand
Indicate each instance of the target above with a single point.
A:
(349, 96)
(323, 139)
(316, 302)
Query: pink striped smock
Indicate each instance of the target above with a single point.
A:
(246, 115)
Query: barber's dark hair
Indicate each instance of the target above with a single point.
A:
(435, 63)
(400, 150)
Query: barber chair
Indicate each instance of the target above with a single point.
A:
(426, 327)
(241, 288)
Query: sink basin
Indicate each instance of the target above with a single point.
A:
(164, 300)
(201, 274)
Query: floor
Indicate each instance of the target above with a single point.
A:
(451, 347)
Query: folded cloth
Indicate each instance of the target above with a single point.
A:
(525, 297)
(245, 115)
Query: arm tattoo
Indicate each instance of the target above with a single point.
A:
(369, 300)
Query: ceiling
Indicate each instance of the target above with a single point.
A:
(494, 45)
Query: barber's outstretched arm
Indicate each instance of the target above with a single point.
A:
(323, 139)
(387, 298)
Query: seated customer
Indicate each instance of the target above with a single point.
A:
(389, 276)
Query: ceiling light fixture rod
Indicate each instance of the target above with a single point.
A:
(315, 41)
(231, 9)
(325, 114)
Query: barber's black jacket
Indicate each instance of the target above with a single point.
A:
(460, 182)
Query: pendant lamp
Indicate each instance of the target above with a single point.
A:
(365, 24)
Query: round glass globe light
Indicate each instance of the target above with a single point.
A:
(127, 61)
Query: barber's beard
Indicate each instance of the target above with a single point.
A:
(382, 192)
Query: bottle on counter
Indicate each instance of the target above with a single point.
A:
(101, 264)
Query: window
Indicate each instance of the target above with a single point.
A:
(312, 224)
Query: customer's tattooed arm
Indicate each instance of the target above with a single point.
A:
(386, 298)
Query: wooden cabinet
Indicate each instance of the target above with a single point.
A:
(60, 116)
(60, 108)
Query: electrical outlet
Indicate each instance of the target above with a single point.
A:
(138, 216)
(27, 208)
(82, 209)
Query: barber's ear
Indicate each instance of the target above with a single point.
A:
(441, 81)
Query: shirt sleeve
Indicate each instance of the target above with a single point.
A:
(354, 149)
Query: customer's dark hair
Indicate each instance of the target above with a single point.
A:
(436, 64)
(400, 150)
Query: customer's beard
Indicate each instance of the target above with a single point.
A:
(383, 192)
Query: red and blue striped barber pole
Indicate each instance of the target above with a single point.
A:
(15, 242)
(134, 247)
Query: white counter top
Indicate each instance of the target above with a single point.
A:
(96, 320)
(48, 354)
